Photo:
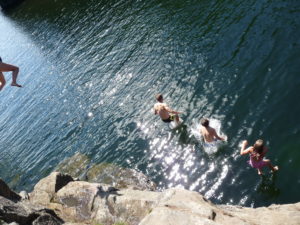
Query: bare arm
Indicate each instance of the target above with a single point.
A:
(217, 136)
(171, 111)
(264, 152)
(245, 151)
(155, 109)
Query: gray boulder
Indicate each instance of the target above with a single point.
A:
(24, 195)
(44, 191)
(78, 199)
(25, 213)
(100, 203)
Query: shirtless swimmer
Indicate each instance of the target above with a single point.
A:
(209, 134)
(162, 109)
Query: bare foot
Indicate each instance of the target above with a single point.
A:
(275, 168)
(16, 85)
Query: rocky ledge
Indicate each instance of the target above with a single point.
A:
(59, 199)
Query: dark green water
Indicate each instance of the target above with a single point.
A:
(90, 70)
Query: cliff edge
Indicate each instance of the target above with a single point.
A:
(59, 199)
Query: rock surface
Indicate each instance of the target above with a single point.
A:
(106, 173)
(7, 193)
(119, 177)
(44, 191)
(81, 202)
(25, 213)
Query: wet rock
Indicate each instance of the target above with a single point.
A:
(7, 193)
(75, 166)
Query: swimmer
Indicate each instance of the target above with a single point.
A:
(7, 68)
(166, 114)
(208, 133)
(257, 153)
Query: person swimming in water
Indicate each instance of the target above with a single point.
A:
(7, 68)
(257, 153)
(208, 133)
(162, 109)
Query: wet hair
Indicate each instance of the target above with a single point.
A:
(204, 122)
(159, 97)
(259, 146)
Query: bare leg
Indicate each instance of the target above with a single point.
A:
(259, 171)
(15, 70)
(2, 81)
(273, 168)
(14, 78)
(177, 119)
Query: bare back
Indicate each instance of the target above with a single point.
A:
(162, 110)
(209, 134)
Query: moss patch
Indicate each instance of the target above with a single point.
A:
(75, 165)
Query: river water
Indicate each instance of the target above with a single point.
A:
(90, 71)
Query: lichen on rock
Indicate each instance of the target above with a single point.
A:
(107, 173)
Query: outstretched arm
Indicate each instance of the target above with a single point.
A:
(217, 136)
(245, 151)
(171, 111)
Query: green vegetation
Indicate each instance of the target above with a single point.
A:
(120, 223)
(74, 165)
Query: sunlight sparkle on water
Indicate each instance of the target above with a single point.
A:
(213, 189)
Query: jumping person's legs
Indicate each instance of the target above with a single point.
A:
(15, 70)
(2, 81)
(273, 168)
(259, 171)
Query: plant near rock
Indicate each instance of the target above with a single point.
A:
(120, 223)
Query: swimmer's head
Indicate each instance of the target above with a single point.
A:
(159, 97)
(204, 122)
(259, 146)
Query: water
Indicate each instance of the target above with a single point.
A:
(90, 70)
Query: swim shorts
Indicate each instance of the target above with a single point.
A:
(170, 119)
(210, 144)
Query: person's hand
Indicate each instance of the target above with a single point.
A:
(244, 143)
